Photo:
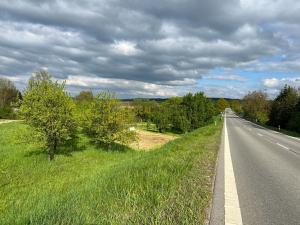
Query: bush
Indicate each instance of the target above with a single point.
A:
(294, 122)
(8, 96)
(183, 114)
(256, 106)
(106, 122)
(283, 107)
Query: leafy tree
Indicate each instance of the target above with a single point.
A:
(143, 109)
(8, 96)
(82, 101)
(221, 105)
(283, 106)
(37, 78)
(294, 121)
(84, 96)
(106, 122)
(180, 122)
(49, 110)
(161, 117)
(178, 117)
(256, 106)
(236, 106)
(199, 110)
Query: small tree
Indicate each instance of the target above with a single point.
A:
(256, 106)
(221, 105)
(107, 122)
(236, 106)
(178, 117)
(161, 117)
(82, 101)
(84, 96)
(8, 96)
(198, 109)
(49, 110)
(283, 106)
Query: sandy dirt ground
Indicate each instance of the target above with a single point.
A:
(150, 140)
(6, 121)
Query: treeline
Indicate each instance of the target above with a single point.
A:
(282, 112)
(178, 114)
(57, 119)
(9, 98)
(182, 114)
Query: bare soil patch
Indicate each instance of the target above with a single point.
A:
(149, 140)
(6, 121)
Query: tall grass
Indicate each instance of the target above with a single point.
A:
(170, 185)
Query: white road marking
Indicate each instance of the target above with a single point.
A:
(259, 134)
(232, 206)
(282, 146)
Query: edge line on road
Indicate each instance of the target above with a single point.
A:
(282, 146)
(231, 206)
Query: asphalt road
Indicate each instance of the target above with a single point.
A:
(266, 167)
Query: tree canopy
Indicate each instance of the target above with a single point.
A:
(284, 106)
(256, 106)
(221, 105)
(106, 122)
(8, 96)
(49, 110)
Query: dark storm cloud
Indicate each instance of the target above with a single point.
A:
(169, 44)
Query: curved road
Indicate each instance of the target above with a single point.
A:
(266, 168)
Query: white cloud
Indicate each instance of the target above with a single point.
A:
(276, 83)
(158, 47)
(124, 86)
(271, 82)
(125, 48)
(226, 77)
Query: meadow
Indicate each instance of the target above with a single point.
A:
(90, 185)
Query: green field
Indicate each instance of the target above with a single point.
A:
(169, 185)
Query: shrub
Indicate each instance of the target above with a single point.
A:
(106, 122)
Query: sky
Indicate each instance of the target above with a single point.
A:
(157, 48)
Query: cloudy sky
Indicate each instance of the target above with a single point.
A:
(157, 48)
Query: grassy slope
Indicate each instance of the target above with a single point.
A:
(170, 185)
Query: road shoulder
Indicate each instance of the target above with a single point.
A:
(217, 213)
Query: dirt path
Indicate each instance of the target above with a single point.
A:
(6, 121)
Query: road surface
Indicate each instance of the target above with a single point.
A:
(258, 176)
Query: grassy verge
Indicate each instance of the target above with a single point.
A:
(170, 185)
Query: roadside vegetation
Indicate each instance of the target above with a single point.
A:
(177, 114)
(92, 185)
(9, 97)
(96, 173)
(282, 113)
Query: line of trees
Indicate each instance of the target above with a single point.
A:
(55, 117)
(9, 97)
(283, 111)
(177, 114)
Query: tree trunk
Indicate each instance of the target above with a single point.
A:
(51, 151)
(50, 154)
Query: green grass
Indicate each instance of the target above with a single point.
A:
(143, 126)
(153, 128)
(170, 185)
